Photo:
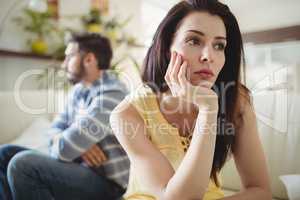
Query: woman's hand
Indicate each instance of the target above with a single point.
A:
(176, 77)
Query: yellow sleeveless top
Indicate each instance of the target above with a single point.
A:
(165, 137)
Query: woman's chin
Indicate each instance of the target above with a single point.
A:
(202, 83)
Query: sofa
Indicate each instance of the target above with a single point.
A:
(26, 116)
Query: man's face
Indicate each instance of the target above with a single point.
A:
(73, 63)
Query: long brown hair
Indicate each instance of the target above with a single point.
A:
(228, 81)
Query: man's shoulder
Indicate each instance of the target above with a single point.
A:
(74, 91)
(112, 83)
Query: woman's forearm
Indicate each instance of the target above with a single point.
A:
(191, 178)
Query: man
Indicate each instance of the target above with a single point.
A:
(85, 159)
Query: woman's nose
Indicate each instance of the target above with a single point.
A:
(206, 54)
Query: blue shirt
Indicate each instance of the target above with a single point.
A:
(85, 122)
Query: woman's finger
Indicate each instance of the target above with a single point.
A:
(182, 74)
(175, 87)
(176, 68)
(168, 75)
(170, 66)
(173, 58)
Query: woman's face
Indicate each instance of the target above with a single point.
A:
(201, 41)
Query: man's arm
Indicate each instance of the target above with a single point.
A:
(62, 120)
(89, 127)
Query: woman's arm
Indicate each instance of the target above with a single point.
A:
(250, 160)
(190, 180)
(192, 177)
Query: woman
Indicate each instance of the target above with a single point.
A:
(193, 113)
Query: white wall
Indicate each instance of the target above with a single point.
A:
(252, 16)
(11, 35)
(258, 15)
(255, 15)
(22, 73)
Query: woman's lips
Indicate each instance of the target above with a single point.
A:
(205, 73)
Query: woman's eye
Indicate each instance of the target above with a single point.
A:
(220, 46)
(193, 41)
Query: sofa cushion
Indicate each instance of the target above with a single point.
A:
(35, 136)
(228, 192)
(18, 110)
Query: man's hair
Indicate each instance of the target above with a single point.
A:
(96, 44)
